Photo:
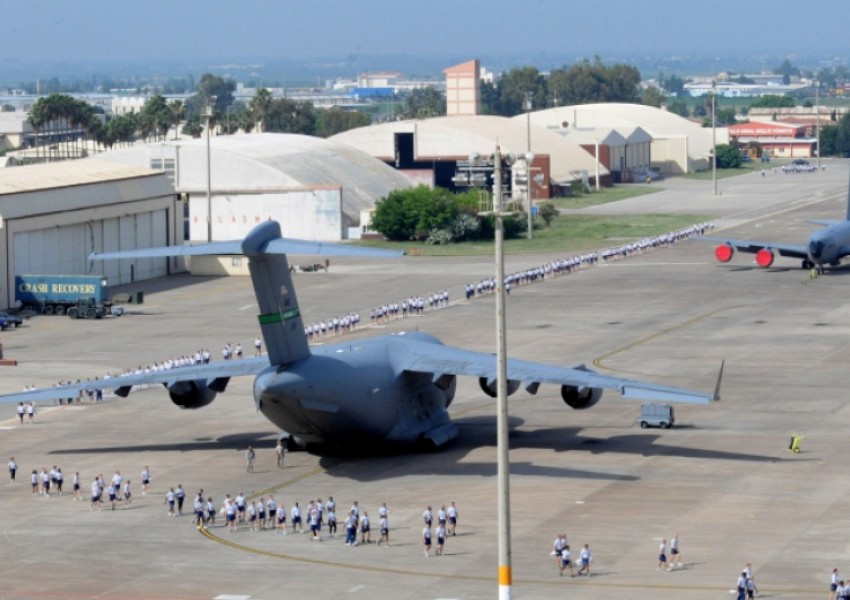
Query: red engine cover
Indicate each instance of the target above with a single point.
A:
(764, 258)
(724, 253)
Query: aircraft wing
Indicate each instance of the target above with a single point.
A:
(124, 383)
(437, 359)
(276, 246)
(791, 250)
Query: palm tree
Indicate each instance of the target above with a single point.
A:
(260, 105)
(178, 111)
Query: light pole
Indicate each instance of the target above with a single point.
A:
(817, 109)
(208, 113)
(713, 137)
(503, 469)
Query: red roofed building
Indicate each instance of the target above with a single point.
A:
(778, 140)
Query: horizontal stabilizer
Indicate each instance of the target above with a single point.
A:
(240, 247)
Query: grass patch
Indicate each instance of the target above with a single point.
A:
(569, 233)
(604, 196)
(744, 169)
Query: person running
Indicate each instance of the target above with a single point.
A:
(210, 520)
(146, 480)
(351, 530)
(128, 495)
(426, 540)
(451, 513)
(76, 483)
(566, 561)
(95, 494)
(315, 525)
(331, 520)
(198, 508)
(241, 506)
(113, 494)
(13, 468)
(281, 520)
(271, 507)
(675, 552)
(34, 479)
(833, 584)
(296, 518)
(170, 498)
(441, 538)
(662, 557)
(261, 514)
(180, 495)
(365, 529)
(230, 514)
(385, 531)
(585, 559)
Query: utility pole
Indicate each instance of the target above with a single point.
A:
(208, 113)
(714, 136)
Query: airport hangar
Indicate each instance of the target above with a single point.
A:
(52, 216)
(677, 145)
(434, 151)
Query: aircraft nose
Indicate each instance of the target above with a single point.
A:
(816, 249)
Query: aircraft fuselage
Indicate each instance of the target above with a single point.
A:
(353, 392)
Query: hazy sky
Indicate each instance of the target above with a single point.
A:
(277, 29)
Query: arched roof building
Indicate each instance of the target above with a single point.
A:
(678, 145)
(429, 150)
(315, 187)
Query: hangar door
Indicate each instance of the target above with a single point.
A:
(64, 250)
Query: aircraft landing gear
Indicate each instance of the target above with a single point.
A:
(807, 264)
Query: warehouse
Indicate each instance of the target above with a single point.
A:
(677, 145)
(430, 151)
(52, 216)
(314, 187)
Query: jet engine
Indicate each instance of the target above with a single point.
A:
(580, 398)
(491, 388)
(764, 258)
(196, 393)
(724, 253)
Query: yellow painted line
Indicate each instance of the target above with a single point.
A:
(503, 574)
(598, 361)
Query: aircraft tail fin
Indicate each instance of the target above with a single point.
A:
(280, 317)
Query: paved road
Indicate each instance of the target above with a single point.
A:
(723, 478)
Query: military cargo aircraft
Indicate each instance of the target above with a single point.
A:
(825, 247)
(387, 389)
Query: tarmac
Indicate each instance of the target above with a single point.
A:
(722, 478)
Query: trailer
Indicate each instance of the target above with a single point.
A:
(55, 294)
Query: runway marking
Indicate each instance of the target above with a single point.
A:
(598, 361)
(247, 306)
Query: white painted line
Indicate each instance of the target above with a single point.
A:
(356, 588)
(231, 597)
(247, 306)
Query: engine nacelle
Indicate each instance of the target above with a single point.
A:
(196, 393)
(724, 253)
(491, 388)
(580, 398)
(764, 258)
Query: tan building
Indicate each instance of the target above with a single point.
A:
(53, 216)
(462, 93)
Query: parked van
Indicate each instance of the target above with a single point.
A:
(656, 415)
